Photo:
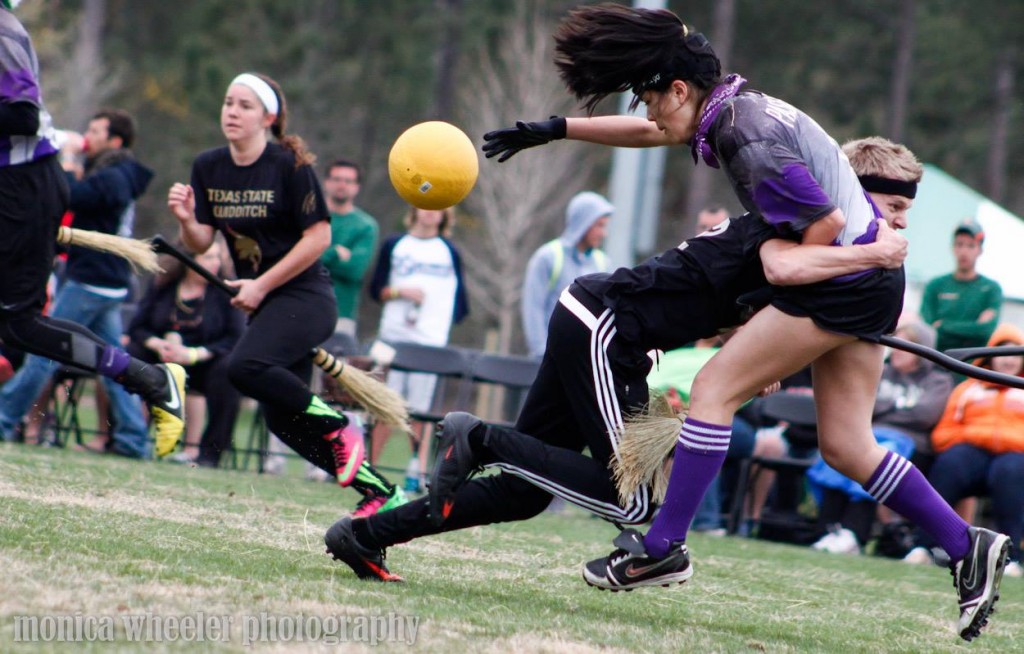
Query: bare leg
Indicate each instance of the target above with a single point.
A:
(772, 346)
(845, 384)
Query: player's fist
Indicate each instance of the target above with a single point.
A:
(181, 200)
(892, 246)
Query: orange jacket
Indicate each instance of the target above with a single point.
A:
(984, 415)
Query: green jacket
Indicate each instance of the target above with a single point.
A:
(358, 232)
(958, 304)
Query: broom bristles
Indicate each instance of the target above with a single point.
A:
(382, 402)
(138, 253)
(646, 443)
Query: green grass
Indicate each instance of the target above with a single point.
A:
(98, 536)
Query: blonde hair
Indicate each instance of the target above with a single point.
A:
(878, 156)
(447, 221)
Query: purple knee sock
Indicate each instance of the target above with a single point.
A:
(113, 362)
(899, 485)
(699, 454)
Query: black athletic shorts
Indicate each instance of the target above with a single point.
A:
(866, 306)
(33, 198)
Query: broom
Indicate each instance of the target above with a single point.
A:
(647, 441)
(138, 253)
(379, 400)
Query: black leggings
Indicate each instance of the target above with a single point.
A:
(60, 340)
(271, 364)
(33, 198)
(587, 381)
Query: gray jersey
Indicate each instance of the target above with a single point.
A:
(784, 167)
(19, 82)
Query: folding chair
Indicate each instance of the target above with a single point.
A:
(66, 388)
(345, 345)
(257, 444)
(782, 521)
(512, 374)
(452, 366)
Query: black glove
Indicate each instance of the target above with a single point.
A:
(506, 142)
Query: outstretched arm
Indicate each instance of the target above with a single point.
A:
(618, 131)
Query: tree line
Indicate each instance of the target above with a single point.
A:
(938, 75)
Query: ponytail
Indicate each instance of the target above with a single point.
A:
(293, 142)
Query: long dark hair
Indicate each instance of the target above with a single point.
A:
(293, 142)
(610, 48)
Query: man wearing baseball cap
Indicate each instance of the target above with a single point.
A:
(963, 306)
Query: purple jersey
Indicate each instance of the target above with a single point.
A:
(784, 167)
(19, 82)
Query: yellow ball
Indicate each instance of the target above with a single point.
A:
(433, 165)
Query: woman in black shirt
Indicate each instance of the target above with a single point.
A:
(179, 321)
(266, 200)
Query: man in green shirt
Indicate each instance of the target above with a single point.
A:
(963, 306)
(353, 240)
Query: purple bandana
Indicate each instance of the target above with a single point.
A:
(729, 87)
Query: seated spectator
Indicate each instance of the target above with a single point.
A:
(419, 281)
(979, 444)
(911, 397)
(180, 321)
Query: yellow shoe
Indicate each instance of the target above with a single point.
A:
(168, 413)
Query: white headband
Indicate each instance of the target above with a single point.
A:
(261, 89)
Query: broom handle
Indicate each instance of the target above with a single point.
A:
(162, 246)
(950, 363)
(976, 352)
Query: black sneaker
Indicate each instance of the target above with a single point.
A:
(631, 567)
(976, 578)
(454, 465)
(366, 562)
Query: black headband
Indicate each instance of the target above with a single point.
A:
(876, 184)
(695, 61)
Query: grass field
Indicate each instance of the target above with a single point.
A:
(90, 535)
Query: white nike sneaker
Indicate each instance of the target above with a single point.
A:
(976, 578)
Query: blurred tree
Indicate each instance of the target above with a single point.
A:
(939, 75)
(723, 29)
(519, 204)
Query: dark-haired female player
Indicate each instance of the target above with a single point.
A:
(786, 169)
(265, 198)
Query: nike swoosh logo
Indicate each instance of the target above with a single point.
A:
(634, 571)
(175, 401)
(972, 580)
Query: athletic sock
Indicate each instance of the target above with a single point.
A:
(369, 480)
(699, 455)
(899, 485)
(319, 417)
(136, 376)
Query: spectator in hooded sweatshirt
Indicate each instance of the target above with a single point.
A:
(557, 263)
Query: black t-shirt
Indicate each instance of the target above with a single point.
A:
(688, 292)
(262, 208)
